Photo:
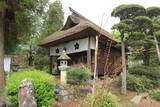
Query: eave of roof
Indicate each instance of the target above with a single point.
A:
(82, 23)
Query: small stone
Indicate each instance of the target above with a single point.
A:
(62, 94)
(85, 91)
(136, 99)
(56, 105)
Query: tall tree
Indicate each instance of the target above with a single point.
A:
(123, 27)
(16, 20)
(2, 14)
(52, 22)
(125, 13)
(154, 13)
(54, 19)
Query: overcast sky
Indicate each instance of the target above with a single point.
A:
(99, 11)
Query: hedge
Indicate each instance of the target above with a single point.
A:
(43, 84)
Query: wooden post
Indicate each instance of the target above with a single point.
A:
(51, 65)
(95, 71)
(89, 54)
(96, 57)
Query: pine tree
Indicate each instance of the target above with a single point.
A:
(126, 13)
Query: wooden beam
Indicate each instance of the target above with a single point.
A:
(96, 57)
(89, 54)
(51, 65)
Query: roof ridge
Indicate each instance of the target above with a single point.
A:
(83, 17)
(100, 29)
(78, 14)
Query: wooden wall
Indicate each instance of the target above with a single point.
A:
(113, 59)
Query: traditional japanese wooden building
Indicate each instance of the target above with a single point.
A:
(77, 38)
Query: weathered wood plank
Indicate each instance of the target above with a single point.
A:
(96, 54)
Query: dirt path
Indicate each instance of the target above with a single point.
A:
(148, 102)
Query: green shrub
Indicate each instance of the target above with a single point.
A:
(42, 82)
(143, 78)
(40, 61)
(77, 74)
(156, 95)
(138, 70)
(139, 83)
(101, 98)
(47, 69)
(156, 83)
(150, 72)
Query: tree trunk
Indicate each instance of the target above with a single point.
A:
(30, 59)
(146, 58)
(123, 74)
(2, 76)
(157, 48)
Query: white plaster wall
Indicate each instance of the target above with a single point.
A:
(83, 46)
(7, 63)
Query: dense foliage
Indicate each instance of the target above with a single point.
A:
(41, 59)
(43, 85)
(150, 72)
(142, 78)
(156, 95)
(139, 25)
(52, 22)
(78, 74)
(141, 30)
(138, 83)
(101, 98)
(21, 21)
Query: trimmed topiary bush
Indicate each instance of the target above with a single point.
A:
(42, 82)
(142, 78)
(101, 98)
(139, 83)
(156, 95)
(78, 74)
(150, 72)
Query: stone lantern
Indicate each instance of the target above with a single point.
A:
(63, 66)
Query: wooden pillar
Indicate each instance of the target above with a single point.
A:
(96, 57)
(51, 65)
(89, 54)
(57, 65)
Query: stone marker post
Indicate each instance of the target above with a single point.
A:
(26, 95)
(63, 66)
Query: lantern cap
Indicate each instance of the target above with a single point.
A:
(64, 56)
